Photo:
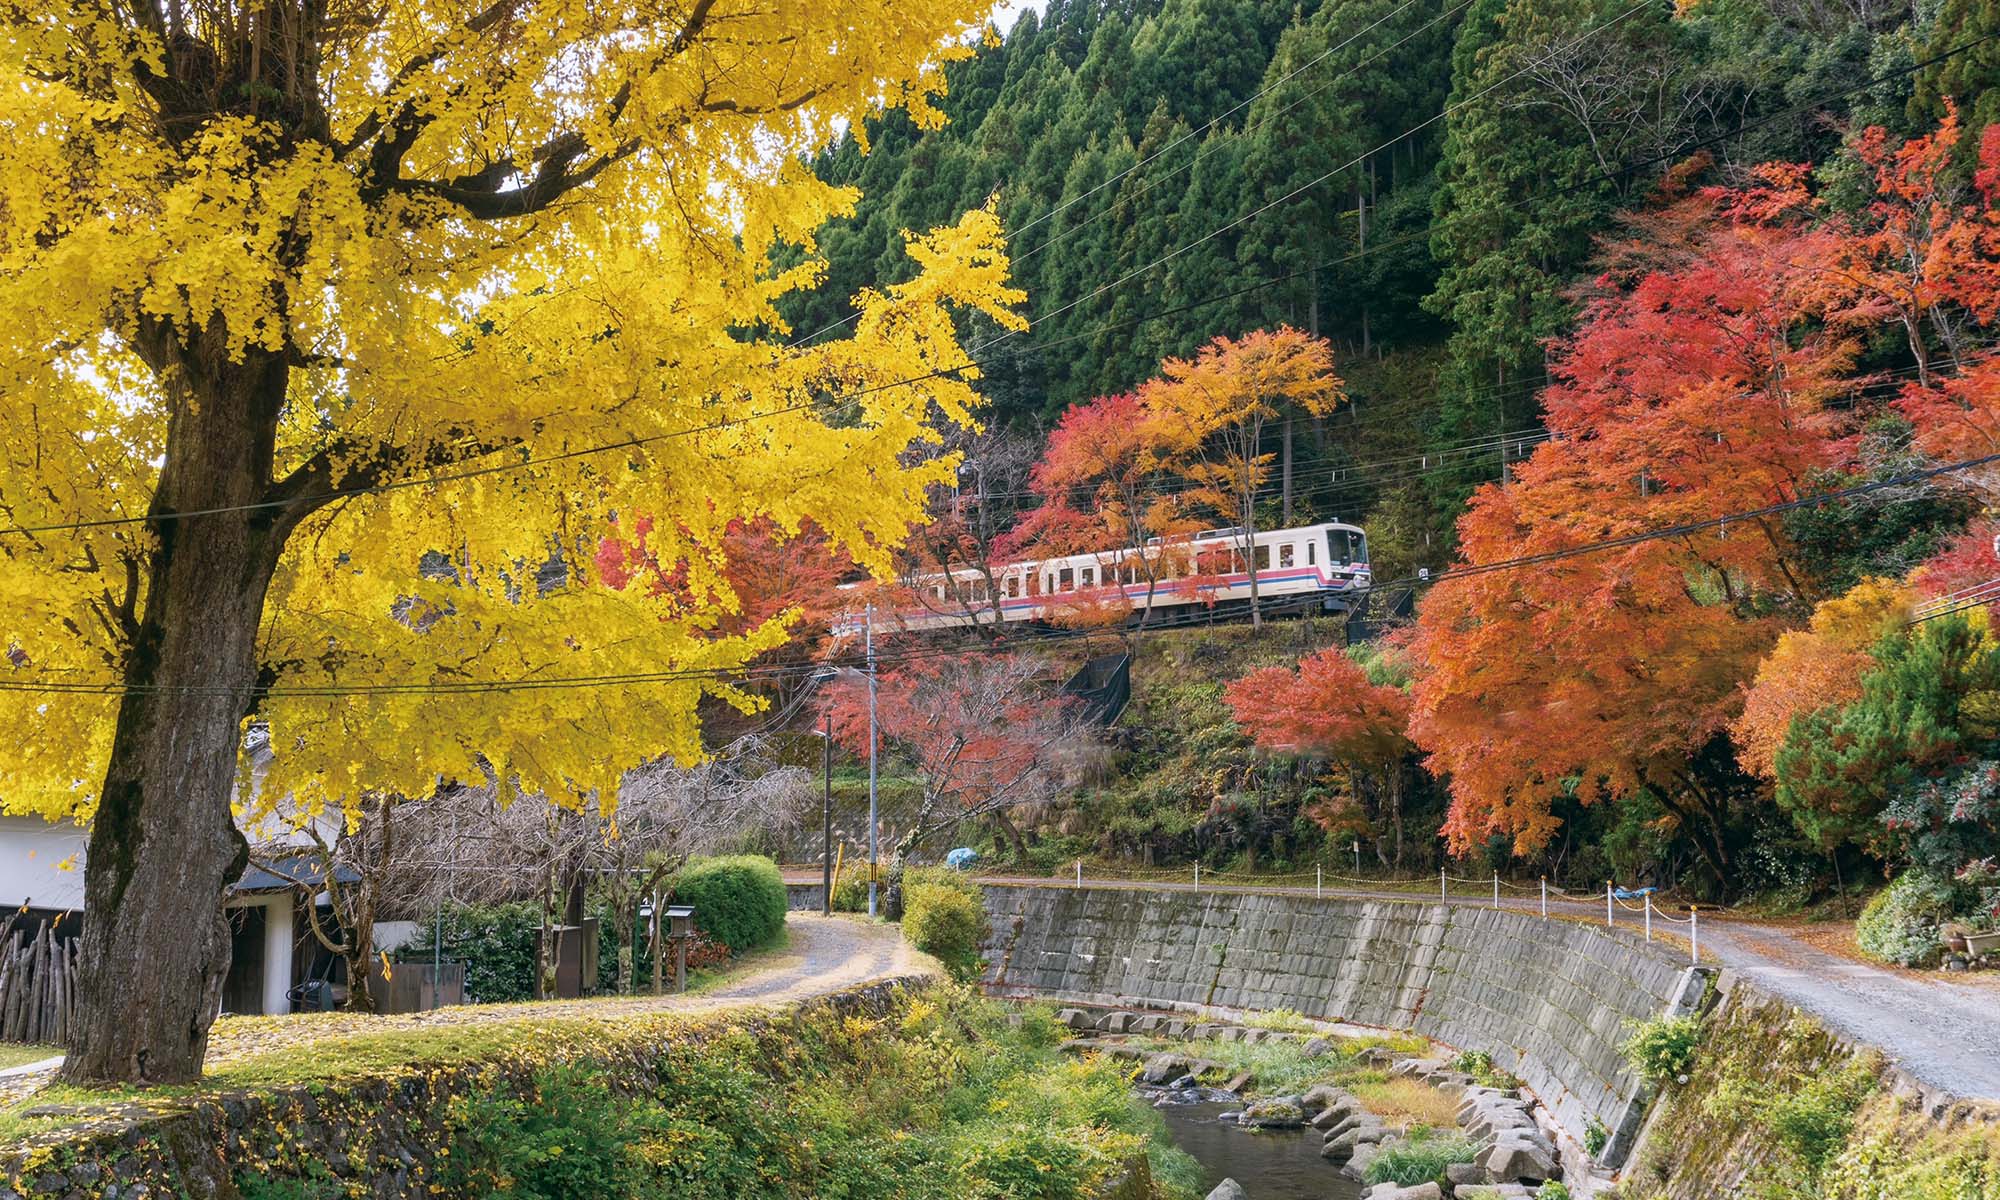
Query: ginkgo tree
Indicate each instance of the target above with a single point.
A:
(1208, 415)
(336, 337)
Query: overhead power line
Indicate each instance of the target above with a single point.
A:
(753, 673)
(974, 363)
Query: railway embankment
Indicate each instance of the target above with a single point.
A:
(1550, 1001)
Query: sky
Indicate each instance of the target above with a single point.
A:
(1006, 12)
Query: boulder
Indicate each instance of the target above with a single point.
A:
(1075, 1018)
(1318, 1047)
(1237, 1082)
(1176, 1029)
(1333, 1114)
(1164, 1066)
(1274, 1114)
(1151, 1023)
(1516, 1158)
(1358, 1119)
(1228, 1189)
(1115, 1022)
(1320, 1097)
(1422, 1191)
(1357, 1163)
(1460, 1174)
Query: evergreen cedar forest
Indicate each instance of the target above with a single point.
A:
(1709, 261)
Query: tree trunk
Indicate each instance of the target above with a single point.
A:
(626, 916)
(1012, 833)
(164, 846)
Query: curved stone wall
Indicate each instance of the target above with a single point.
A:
(1548, 999)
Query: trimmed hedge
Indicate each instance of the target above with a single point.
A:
(738, 900)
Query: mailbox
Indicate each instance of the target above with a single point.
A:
(680, 920)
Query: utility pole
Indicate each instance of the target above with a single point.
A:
(869, 645)
(826, 824)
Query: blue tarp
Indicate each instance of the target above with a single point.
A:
(1623, 894)
(961, 858)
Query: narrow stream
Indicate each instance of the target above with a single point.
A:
(1282, 1164)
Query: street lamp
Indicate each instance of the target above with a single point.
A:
(826, 803)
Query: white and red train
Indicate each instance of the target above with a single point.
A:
(1328, 561)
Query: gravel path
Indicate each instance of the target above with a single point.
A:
(822, 956)
(1945, 1033)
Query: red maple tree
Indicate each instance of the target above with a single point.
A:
(1330, 708)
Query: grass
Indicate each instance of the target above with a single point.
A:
(1422, 1159)
(350, 1050)
(20, 1054)
(1405, 1101)
(1278, 1068)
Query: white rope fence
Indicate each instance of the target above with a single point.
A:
(1492, 889)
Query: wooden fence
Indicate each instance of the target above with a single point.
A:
(37, 986)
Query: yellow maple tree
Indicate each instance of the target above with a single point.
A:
(337, 335)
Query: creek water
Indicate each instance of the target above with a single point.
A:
(1280, 1164)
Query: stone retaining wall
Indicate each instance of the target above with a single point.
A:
(375, 1138)
(1548, 999)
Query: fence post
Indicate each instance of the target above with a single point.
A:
(1444, 897)
(1649, 918)
(1545, 897)
(1608, 918)
(1079, 873)
(1318, 881)
(1694, 934)
(1197, 875)
(1496, 889)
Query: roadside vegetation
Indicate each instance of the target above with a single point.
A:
(944, 1096)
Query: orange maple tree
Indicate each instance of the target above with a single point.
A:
(1817, 667)
(1330, 708)
(1695, 386)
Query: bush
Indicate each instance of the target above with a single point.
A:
(1421, 1159)
(1554, 1189)
(495, 941)
(850, 891)
(1813, 1122)
(1904, 922)
(944, 915)
(1663, 1048)
(567, 1135)
(739, 900)
(1595, 1135)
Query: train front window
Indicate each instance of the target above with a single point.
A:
(1346, 547)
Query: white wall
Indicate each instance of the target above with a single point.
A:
(33, 853)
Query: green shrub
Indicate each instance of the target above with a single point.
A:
(944, 915)
(1662, 1049)
(1595, 1136)
(1904, 922)
(1421, 1159)
(565, 1136)
(850, 891)
(495, 941)
(739, 900)
(1814, 1120)
(1552, 1190)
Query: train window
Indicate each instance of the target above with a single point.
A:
(1034, 583)
(1285, 554)
(1087, 577)
(1346, 548)
(1066, 580)
(1263, 558)
(1312, 553)
(1013, 586)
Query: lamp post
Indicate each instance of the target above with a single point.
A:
(826, 823)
